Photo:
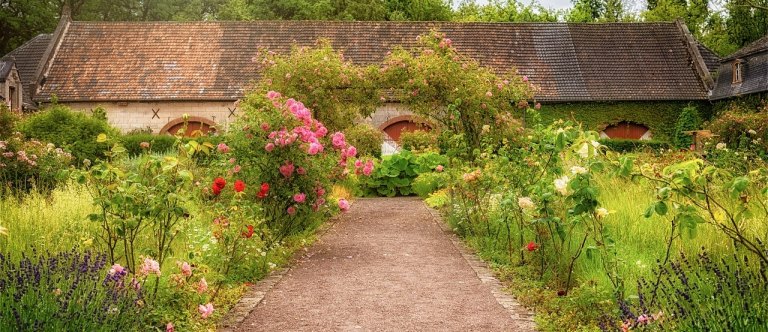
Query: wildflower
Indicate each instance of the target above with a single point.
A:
(575, 170)
(525, 203)
(205, 310)
(299, 198)
(439, 168)
(291, 210)
(169, 327)
(144, 145)
(626, 326)
(343, 205)
(57, 291)
(265, 126)
(86, 162)
(269, 147)
(236, 169)
(248, 234)
(471, 176)
(273, 95)
(537, 106)
(202, 286)
(116, 269)
(223, 148)
(239, 186)
(643, 319)
(287, 170)
(263, 190)
(320, 191)
(489, 94)
(532, 246)
(185, 268)
(601, 213)
(301, 170)
(150, 266)
(358, 163)
(561, 185)
(752, 132)
(351, 151)
(720, 146)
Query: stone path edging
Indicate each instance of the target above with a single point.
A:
(256, 293)
(521, 315)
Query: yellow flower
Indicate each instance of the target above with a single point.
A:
(3, 231)
(601, 212)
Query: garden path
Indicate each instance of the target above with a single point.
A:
(388, 264)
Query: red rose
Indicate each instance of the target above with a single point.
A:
(249, 233)
(264, 190)
(216, 189)
(532, 246)
(239, 186)
(220, 182)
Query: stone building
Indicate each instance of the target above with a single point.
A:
(10, 86)
(744, 72)
(147, 74)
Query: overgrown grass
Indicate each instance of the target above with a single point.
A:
(641, 243)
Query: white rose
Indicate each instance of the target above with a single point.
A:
(575, 170)
(525, 203)
(601, 212)
(752, 132)
(561, 185)
(720, 146)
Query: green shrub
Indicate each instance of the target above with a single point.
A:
(366, 139)
(8, 122)
(25, 165)
(632, 145)
(733, 127)
(427, 183)
(73, 131)
(689, 120)
(157, 143)
(419, 140)
(396, 173)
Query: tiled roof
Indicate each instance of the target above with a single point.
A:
(214, 60)
(756, 46)
(5, 68)
(711, 60)
(754, 77)
(27, 57)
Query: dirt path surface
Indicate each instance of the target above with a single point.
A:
(386, 266)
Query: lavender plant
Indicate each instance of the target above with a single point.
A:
(67, 291)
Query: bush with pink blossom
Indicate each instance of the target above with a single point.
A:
(28, 164)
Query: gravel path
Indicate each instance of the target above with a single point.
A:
(386, 266)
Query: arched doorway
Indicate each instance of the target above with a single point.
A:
(402, 124)
(196, 126)
(626, 130)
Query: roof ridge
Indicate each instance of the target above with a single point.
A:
(371, 22)
(25, 45)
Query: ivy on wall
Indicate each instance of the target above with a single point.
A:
(659, 117)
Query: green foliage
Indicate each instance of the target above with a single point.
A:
(633, 145)
(427, 183)
(395, 174)
(73, 131)
(504, 11)
(30, 164)
(8, 120)
(454, 92)
(366, 139)
(419, 140)
(689, 120)
(157, 143)
(335, 90)
(659, 117)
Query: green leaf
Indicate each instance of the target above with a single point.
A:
(661, 208)
(649, 211)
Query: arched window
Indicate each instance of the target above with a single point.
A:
(626, 130)
(196, 126)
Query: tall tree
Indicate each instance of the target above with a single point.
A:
(747, 21)
(504, 11)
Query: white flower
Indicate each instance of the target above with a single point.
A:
(601, 212)
(561, 185)
(525, 203)
(752, 132)
(560, 130)
(720, 146)
(575, 170)
(584, 149)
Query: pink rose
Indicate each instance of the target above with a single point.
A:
(186, 269)
(320, 191)
(287, 170)
(265, 126)
(299, 198)
(223, 148)
(314, 148)
(301, 170)
(202, 286)
(439, 168)
(343, 205)
(269, 147)
(338, 140)
(368, 169)
(351, 151)
(291, 210)
(205, 310)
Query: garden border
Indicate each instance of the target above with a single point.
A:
(519, 314)
(258, 291)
